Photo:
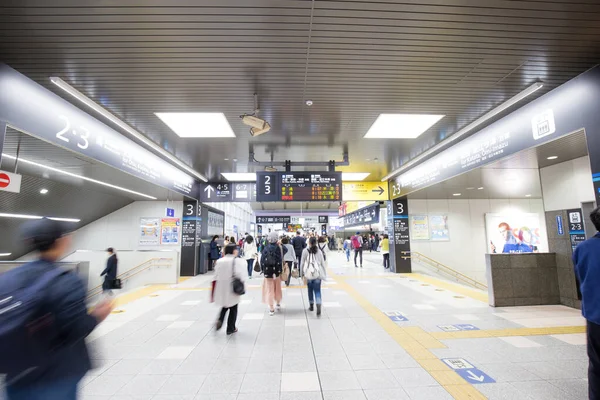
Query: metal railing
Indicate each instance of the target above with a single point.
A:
(125, 276)
(415, 255)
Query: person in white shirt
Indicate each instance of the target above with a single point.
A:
(226, 269)
(250, 253)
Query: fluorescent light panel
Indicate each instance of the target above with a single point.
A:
(117, 121)
(79, 176)
(5, 254)
(401, 126)
(240, 176)
(197, 125)
(354, 176)
(27, 216)
(490, 114)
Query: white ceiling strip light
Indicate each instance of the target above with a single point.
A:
(490, 114)
(27, 216)
(117, 121)
(79, 176)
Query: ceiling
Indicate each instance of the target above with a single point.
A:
(353, 59)
(514, 177)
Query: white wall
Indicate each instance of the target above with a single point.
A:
(465, 252)
(239, 214)
(567, 185)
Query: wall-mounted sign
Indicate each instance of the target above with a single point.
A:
(559, 225)
(47, 116)
(149, 232)
(323, 219)
(401, 233)
(274, 219)
(576, 228)
(298, 186)
(365, 216)
(419, 225)
(10, 182)
(170, 228)
(361, 191)
(170, 212)
(438, 228)
(214, 192)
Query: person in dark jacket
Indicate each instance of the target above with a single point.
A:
(64, 299)
(213, 255)
(299, 243)
(586, 258)
(110, 272)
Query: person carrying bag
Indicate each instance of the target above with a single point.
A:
(313, 267)
(272, 264)
(229, 286)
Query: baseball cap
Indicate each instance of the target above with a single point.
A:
(358, 233)
(42, 233)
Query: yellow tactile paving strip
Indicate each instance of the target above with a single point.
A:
(554, 330)
(416, 342)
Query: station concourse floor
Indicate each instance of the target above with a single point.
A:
(161, 344)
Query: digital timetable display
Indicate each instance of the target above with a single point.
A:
(299, 186)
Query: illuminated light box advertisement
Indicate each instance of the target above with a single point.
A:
(170, 230)
(419, 227)
(515, 233)
(438, 228)
(149, 232)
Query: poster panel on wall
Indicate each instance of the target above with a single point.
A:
(438, 228)
(169, 232)
(515, 233)
(149, 232)
(419, 226)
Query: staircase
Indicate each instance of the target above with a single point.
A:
(445, 270)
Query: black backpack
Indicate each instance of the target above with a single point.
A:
(271, 261)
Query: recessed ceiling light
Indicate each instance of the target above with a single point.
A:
(456, 194)
(85, 178)
(527, 195)
(197, 125)
(44, 191)
(354, 176)
(401, 126)
(309, 103)
(226, 159)
(480, 188)
(5, 254)
(552, 158)
(239, 176)
(470, 188)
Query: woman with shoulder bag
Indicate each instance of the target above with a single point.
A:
(313, 265)
(230, 278)
(250, 253)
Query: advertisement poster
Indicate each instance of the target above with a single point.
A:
(149, 231)
(516, 233)
(438, 227)
(170, 231)
(419, 226)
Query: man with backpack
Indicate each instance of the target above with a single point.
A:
(357, 245)
(44, 321)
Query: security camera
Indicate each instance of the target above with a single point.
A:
(259, 131)
(253, 121)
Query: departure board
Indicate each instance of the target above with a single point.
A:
(311, 186)
(299, 186)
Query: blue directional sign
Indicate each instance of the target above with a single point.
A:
(170, 212)
(396, 316)
(559, 225)
(468, 371)
(467, 327)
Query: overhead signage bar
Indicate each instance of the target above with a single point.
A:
(219, 192)
(274, 219)
(33, 109)
(363, 191)
(298, 186)
(365, 216)
(566, 109)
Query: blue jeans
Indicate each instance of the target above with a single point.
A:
(63, 390)
(348, 254)
(250, 266)
(314, 291)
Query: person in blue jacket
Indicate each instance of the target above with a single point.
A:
(213, 255)
(64, 300)
(586, 258)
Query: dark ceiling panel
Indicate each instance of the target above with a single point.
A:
(353, 59)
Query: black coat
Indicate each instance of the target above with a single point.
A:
(299, 243)
(111, 268)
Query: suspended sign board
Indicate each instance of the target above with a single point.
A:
(298, 186)
(361, 191)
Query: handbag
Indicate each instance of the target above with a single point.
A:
(257, 266)
(236, 283)
(285, 270)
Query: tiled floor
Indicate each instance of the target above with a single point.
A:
(165, 347)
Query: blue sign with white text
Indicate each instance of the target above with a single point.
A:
(559, 225)
(468, 371)
(396, 316)
(466, 327)
(170, 212)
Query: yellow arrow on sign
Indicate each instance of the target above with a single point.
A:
(361, 191)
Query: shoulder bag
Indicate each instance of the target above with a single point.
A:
(236, 283)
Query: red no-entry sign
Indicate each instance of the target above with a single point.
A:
(10, 182)
(4, 180)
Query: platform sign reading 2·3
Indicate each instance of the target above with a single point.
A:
(266, 186)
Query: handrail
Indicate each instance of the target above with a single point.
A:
(444, 268)
(98, 289)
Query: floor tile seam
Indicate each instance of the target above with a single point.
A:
(312, 345)
(374, 312)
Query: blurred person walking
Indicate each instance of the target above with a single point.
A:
(271, 262)
(250, 253)
(227, 270)
(213, 255)
(44, 320)
(357, 245)
(110, 272)
(347, 247)
(385, 250)
(299, 243)
(313, 264)
(289, 257)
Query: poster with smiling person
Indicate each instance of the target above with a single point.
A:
(518, 233)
